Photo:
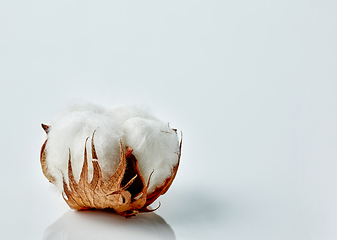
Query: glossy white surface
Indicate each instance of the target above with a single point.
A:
(252, 84)
(101, 225)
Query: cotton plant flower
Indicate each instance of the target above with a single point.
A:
(121, 158)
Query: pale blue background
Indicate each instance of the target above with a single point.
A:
(252, 85)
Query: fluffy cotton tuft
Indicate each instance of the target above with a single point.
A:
(154, 143)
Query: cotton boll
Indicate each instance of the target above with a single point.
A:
(136, 157)
(155, 145)
(70, 129)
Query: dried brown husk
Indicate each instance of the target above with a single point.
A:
(125, 191)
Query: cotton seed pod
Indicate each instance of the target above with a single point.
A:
(120, 158)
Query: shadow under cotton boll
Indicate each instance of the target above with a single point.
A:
(96, 224)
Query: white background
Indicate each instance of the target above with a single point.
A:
(252, 85)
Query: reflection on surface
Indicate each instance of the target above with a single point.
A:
(82, 225)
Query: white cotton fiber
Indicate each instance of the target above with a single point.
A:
(154, 143)
(122, 113)
(69, 131)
